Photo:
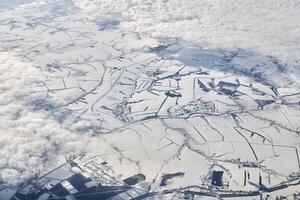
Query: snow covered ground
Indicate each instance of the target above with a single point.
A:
(174, 90)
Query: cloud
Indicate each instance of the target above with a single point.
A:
(30, 140)
(268, 27)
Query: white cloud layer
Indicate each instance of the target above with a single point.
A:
(28, 138)
(268, 27)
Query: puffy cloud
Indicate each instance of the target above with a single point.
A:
(268, 27)
(30, 140)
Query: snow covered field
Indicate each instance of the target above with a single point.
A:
(175, 90)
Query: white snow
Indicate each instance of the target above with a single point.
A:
(148, 112)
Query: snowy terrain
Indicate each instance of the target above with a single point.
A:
(173, 91)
